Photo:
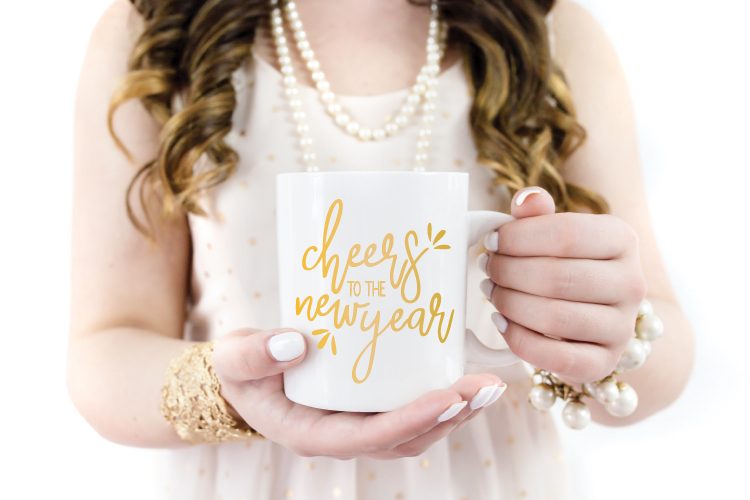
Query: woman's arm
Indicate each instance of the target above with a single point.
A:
(609, 163)
(128, 297)
(128, 305)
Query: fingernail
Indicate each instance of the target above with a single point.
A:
(500, 322)
(482, 261)
(491, 241)
(452, 411)
(486, 285)
(498, 392)
(286, 346)
(525, 193)
(481, 397)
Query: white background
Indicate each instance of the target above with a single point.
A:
(687, 65)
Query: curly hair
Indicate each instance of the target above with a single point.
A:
(522, 117)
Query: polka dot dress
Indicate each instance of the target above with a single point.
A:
(509, 451)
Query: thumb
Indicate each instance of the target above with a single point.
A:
(530, 202)
(251, 354)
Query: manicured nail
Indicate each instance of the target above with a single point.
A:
(525, 193)
(481, 397)
(286, 346)
(486, 285)
(482, 262)
(498, 392)
(452, 411)
(491, 241)
(500, 322)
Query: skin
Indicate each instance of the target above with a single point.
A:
(128, 297)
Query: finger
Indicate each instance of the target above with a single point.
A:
(564, 319)
(253, 354)
(421, 443)
(579, 361)
(581, 280)
(530, 202)
(585, 236)
(350, 434)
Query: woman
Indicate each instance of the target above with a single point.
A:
(212, 131)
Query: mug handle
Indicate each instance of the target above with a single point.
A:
(479, 223)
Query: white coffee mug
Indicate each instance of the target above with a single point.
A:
(372, 269)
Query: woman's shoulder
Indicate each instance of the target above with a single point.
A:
(576, 31)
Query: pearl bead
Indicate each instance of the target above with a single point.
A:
(291, 91)
(334, 108)
(645, 308)
(285, 61)
(408, 109)
(309, 157)
(313, 65)
(542, 397)
(365, 134)
(327, 97)
(423, 144)
(352, 127)
(282, 50)
(649, 327)
(413, 99)
(401, 120)
(307, 54)
(626, 402)
(607, 392)
(303, 128)
(633, 356)
(295, 103)
(342, 119)
(296, 25)
(305, 142)
(576, 415)
(391, 128)
(421, 157)
(290, 80)
(323, 85)
(590, 388)
(318, 76)
(646, 347)
(299, 116)
(425, 132)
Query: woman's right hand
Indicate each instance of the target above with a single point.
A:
(249, 364)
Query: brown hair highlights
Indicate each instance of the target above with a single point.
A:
(522, 117)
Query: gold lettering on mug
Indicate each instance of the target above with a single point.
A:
(403, 276)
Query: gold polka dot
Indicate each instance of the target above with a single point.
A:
(289, 493)
(256, 295)
(464, 498)
(487, 462)
(209, 246)
(311, 465)
(223, 298)
(248, 443)
(458, 162)
(275, 108)
(242, 133)
(511, 440)
(457, 446)
(221, 322)
(229, 270)
(205, 273)
(270, 157)
(397, 162)
(201, 471)
(243, 184)
(446, 114)
(424, 463)
(267, 467)
(251, 241)
(226, 474)
(337, 492)
(220, 216)
(332, 159)
(515, 404)
(522, 493)
(371, 476)
(399, 496)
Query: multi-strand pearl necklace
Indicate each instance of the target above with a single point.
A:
(423, 92)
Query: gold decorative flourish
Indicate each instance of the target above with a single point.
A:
(437, 238)
(326, 334)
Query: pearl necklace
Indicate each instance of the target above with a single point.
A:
(424, 90)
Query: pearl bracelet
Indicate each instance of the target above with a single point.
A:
(618, 398)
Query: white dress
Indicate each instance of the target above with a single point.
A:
(509, 451)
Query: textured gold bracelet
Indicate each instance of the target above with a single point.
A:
(192, 402)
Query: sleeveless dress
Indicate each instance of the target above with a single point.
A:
(508, 451)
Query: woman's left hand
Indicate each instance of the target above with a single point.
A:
(567, 286)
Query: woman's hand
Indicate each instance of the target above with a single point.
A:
(567, 286)
(249, 364)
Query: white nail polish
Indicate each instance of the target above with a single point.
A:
(286, 346)
(525, 193)
(491, 241)
(482, 262)
(500, 322)
(452, 411)
(481, 397)
(498, 392)
(486, 285)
